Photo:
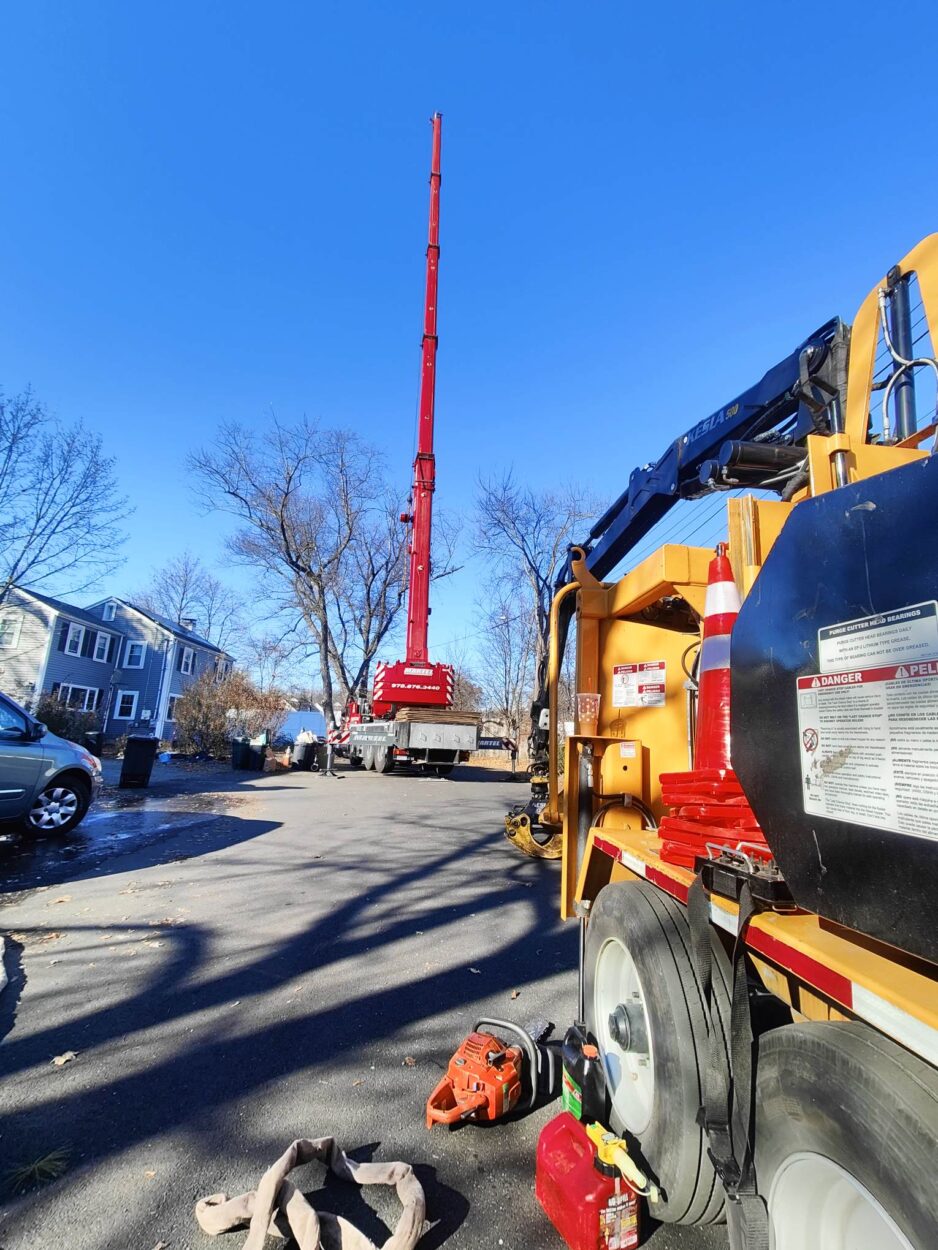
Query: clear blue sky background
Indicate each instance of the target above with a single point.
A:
(211, 210)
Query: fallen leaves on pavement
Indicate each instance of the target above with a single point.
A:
(409, 1062)
(66, 1057)
(33, 936)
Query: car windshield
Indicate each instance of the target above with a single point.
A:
(12, 720)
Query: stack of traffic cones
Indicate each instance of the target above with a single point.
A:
(709, 808)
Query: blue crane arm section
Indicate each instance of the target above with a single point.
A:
(654, 489)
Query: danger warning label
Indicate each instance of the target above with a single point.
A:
(639, 685)
(868, 739)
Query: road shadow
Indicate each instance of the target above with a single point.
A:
(197, 1077)
(101, 849)
(16, 983)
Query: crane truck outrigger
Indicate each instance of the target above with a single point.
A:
(750, 837)
(410, 720)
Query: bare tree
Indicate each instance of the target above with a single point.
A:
(60, 510)
(468, 695)
(272, 658)
(184, 589)
(526, 533)
(507, 654)
(320, 525)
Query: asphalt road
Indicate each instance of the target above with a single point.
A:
(295, 959)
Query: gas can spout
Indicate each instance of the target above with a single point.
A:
(612, 1150)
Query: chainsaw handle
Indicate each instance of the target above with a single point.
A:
(499, 1028)
(438, 1113)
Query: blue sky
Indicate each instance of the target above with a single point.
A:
(214, 210)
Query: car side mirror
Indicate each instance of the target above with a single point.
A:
(36, 731)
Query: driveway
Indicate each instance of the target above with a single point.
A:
(299, 957)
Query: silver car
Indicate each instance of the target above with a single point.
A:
(46, 783)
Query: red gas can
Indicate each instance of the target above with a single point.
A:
(591, 1206)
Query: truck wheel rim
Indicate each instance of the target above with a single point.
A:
(628, 1062)
(814, 1204)
(53, 808)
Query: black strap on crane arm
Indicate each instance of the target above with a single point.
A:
(654, 489)
(726, 1115)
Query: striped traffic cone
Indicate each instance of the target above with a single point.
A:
(712, 741)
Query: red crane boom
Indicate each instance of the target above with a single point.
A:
(415, 680)
(418, 602)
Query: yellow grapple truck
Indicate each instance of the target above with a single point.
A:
(765, 1004)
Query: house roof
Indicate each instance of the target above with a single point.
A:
(180, 631)
(66, 609)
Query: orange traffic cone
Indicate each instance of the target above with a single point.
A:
(712, 742)
(710, 812)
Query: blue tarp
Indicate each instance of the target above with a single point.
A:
(315, 722)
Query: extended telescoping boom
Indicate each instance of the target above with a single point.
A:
(410, 695)
(421, 516)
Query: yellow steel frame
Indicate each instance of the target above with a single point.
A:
(805, 961)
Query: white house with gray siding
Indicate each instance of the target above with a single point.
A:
(124, 663)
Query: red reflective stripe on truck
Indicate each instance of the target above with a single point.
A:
(677, 889)
(834, 984)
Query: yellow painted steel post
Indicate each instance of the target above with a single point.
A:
(551, 814)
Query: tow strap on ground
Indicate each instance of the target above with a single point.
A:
(278, 1208)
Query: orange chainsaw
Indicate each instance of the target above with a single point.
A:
(487, 1076)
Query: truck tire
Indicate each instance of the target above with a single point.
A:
(384, 760)
(846, 1131)
(368, 755)
(645, 1008)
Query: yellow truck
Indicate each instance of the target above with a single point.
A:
(764, 995)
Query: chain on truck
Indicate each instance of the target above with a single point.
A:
(747, 811)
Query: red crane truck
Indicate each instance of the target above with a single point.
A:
(411, 720)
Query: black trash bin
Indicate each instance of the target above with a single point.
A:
(301, 756)
(255, 753)
(239, 753)
(94, 741)
(139, 754)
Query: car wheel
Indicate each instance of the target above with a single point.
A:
(59, 807)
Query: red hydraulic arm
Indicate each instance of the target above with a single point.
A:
(418, 599)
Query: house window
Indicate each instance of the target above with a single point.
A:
(83, 698)
(10, 630)
(187, 663)
(126, 706)
(171, 709)
(102, 645)
(134, 654)
(110, 611)
(74, 637)
(222, 669)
